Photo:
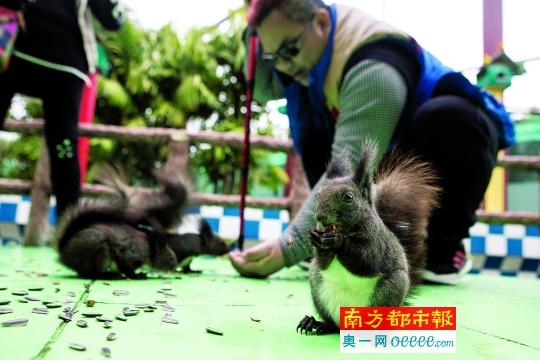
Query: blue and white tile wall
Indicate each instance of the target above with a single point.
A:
(510, 249)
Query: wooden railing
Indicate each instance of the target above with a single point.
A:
(179, 141)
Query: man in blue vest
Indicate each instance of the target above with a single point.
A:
(348, 77)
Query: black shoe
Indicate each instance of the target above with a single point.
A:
(448, 269)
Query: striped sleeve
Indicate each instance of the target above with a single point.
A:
(372, 97)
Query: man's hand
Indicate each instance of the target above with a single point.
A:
(258, 261)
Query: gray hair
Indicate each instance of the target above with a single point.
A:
(300, 11)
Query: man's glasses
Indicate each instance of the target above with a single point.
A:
(288, 49)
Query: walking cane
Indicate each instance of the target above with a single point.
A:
(252, 53)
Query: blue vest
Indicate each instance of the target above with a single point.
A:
(311, 122)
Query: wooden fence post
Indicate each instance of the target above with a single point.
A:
(299, 185)
(38, 220)
(179, 154)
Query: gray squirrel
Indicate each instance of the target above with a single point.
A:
(109, 238)
(369, 241)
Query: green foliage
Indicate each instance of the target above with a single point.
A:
(159, 79)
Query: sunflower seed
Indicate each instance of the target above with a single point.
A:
(169, 319)
(111, 336)
(106, 283)
(82, 323)
(65, 317)
(214, 331)
(90, 303)
(31, 298)
(120, 292)
(5, 311)
(35, 289)
(15, 322)
(78, 347)
(167, 307)
(106, 352)
(40, 310)
(254, 319)
(56, 282)
(24, 301)
(4, 302)
(3, 288)
(131, 312)
(19, 293)
(121, 317)
(53, 305)
(103, 319)
(91, 315)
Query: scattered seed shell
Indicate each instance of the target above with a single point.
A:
(15, 322)
(24, 301)
(120, 292)
(78, 347)
(214, 331)
(31, 298)
(71, 294)
(19, 293)
(111, 336)
(169, 319)
(131, 312)
(254, 319)
(121, 317)
(5, 311)
(103, 319)
(105, 351)
(53, 305)
(65, 317)
(40, 310)
(91, 315)
(82, 323)
(4, 302)
(35, 289)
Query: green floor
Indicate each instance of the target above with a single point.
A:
(498, 318)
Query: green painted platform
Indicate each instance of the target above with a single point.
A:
(498, 317)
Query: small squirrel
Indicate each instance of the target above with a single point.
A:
(106, 238)
(369, 241)
(190, 244)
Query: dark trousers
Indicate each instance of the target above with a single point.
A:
(460, 141)
(61, 96)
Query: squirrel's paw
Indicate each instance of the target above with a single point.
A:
(309, 325)
(325, 240)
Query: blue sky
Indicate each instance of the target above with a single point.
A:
(450, 29)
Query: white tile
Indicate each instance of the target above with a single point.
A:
(211, 211)
(190, 224)
(10, 230)
(284, 216)
(23, 213)
(253, 214)
(10, 199)
(530, 247)
(269, 229)
(229, 227)
(514, 231)
(490, 272)
(527, 275)
(496, 245)
(479, 229)
(467, 245)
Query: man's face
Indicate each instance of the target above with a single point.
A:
(295, 47)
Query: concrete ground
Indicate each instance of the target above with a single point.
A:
(498, 317)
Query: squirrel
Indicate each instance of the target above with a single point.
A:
(369, 240)
(116, 236)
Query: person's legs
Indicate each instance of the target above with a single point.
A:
(460, 141)
(61, 109)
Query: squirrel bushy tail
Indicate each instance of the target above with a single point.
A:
(405, 193)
